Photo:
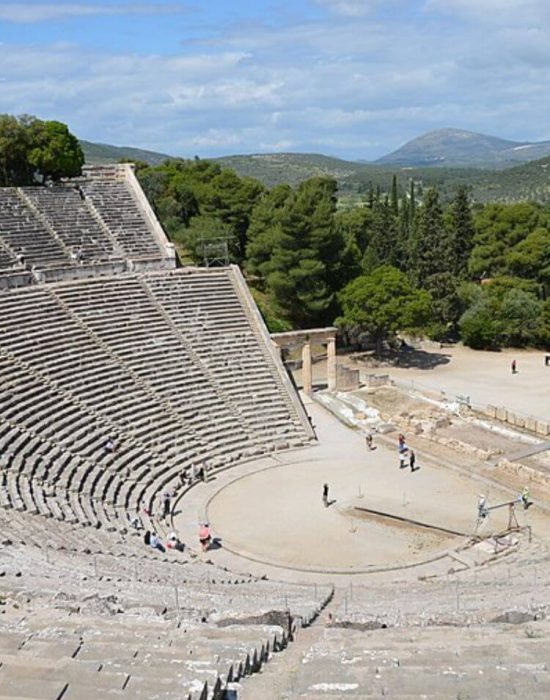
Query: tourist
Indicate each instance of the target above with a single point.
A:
(482, 510)
(524, 498)
(325, 495)
(402, 445)
(147, 537)
(155, 542)
(514, 366)
(135, 521)
(204, 536)
(368, 440)
(166, 505)
(412, 461)
(109, 445)
(173, 542)
(401, 459)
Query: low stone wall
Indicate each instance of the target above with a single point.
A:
(12, 280)
(371, 381)
(533, 425)
(80, 272)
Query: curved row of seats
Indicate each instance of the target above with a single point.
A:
(136, 358)
(86, 221)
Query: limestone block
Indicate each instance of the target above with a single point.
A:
(491, 411)
(520, 422)
(543, 428)
(501, 414)
(531, 424)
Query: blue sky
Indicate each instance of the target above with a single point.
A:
(352, 78)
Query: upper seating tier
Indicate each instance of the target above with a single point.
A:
(79, 225)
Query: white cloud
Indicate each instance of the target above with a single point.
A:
(36, 12)
(349, 8)
(351, 88)
(496, 12)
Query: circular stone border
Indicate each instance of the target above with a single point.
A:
(314, 569)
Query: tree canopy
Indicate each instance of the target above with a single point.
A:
(34, 151)
(382, 304)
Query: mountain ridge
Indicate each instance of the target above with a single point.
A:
(451, 147)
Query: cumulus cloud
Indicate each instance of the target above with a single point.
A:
(355, 88)
(25, 12)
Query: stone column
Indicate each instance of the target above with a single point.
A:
(331, 364)
(307, 380)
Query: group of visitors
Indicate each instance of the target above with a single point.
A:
(193, 473)
(406, 454)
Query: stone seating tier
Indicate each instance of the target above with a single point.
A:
(122, 357)
(98, 219)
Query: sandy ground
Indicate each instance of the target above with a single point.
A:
(485, 377)
(276, 515)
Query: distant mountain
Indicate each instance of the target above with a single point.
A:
(95, 153)
(292, 168)
(525, 181)
(458, 148)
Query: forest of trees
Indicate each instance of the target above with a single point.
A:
(397, 262)
(400, 262)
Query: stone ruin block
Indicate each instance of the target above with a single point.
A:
(531, 424)
(490, 411)
(543, 428)
(502, 414)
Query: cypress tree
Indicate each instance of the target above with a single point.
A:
(394, 198)
(461, 233)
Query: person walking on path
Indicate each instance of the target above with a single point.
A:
(368, 440)
(401, 460)
(514, 367)
(412, 461)
(325, 495)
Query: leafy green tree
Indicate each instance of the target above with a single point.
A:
(14, 146)
(183, 189)
(382, 304)
(519, 317)
(35, 150)
(544, 325)
(505, 312)
(478, 326)
(500, 229)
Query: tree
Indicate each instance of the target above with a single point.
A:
(430, 250)
(394, 197)
(35, 150)
(296, 247)
(14, 146)
(505, 312)
(500, 232)
(478, 327)
(382, 304)
(461, 233)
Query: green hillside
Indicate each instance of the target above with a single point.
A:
(527, 181)
(96, 153)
